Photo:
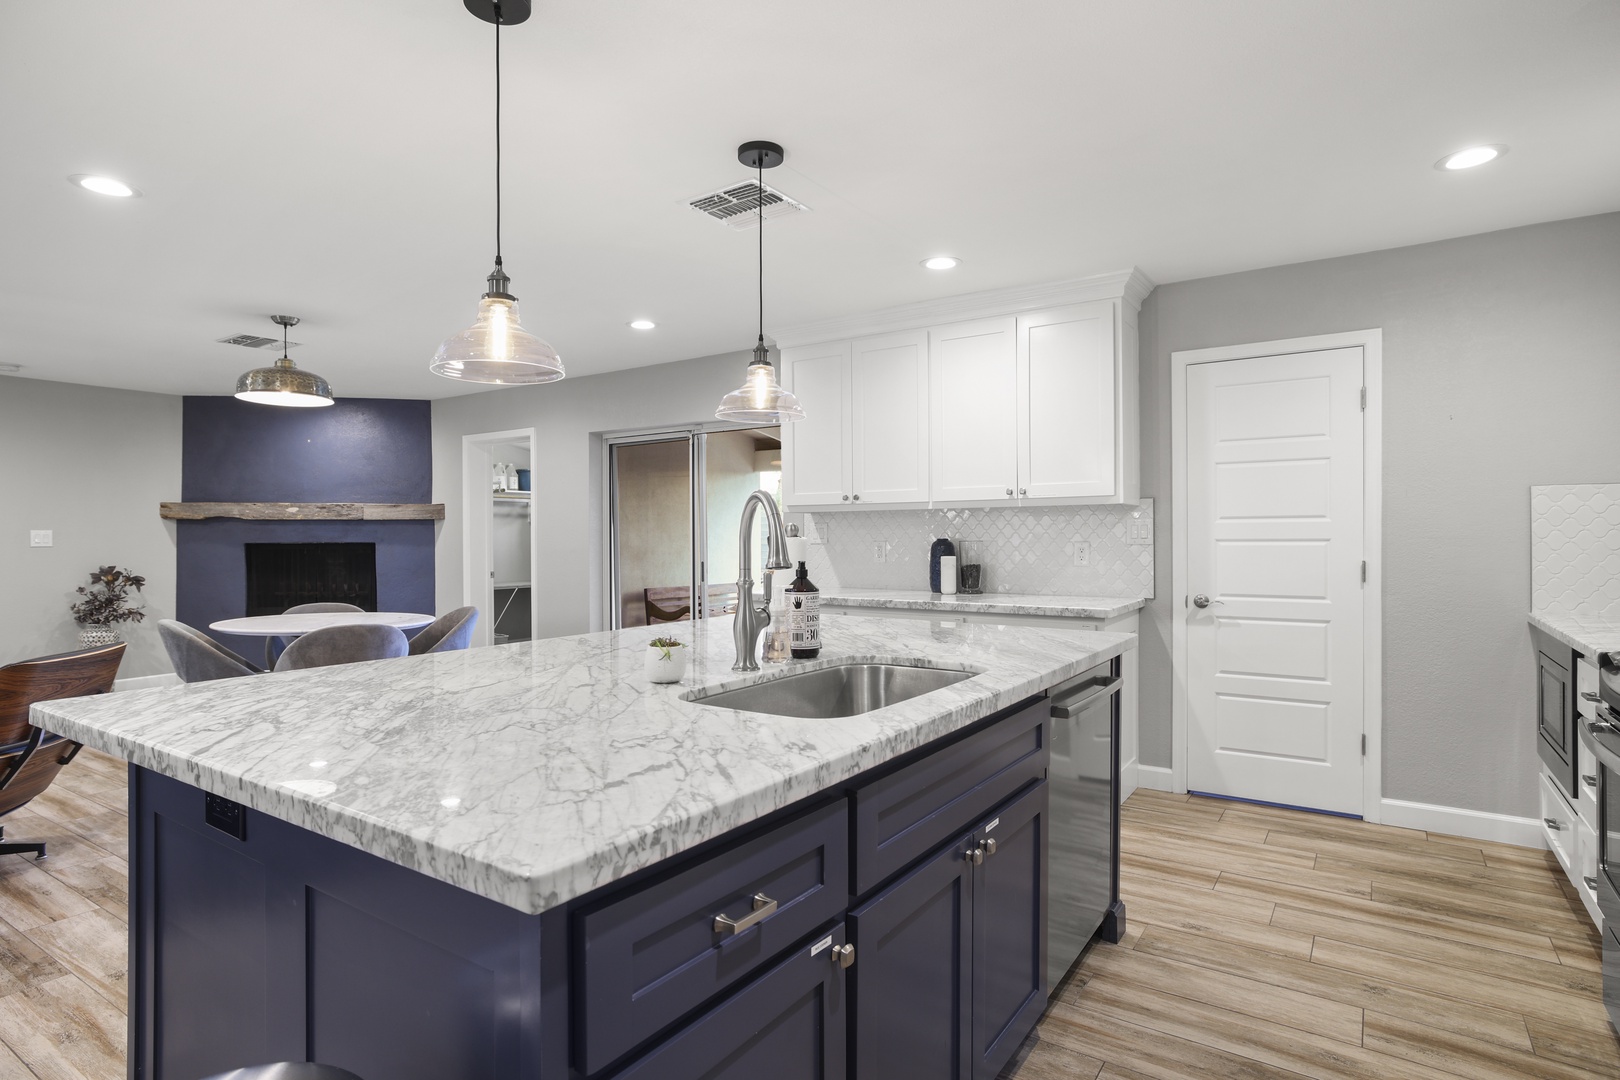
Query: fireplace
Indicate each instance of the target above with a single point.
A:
(280, 576)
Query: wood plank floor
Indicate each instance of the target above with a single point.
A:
(1264, 944)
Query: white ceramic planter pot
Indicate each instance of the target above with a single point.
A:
(662, 670)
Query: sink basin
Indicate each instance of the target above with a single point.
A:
(840, 690)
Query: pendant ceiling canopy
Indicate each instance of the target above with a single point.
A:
(284, 383)
(761, 399)
(496, 349)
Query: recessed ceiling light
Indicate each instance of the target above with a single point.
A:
(1467, 159)
(942, 262)
(642, 324)
(103, 185)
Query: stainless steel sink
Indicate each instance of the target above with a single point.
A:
(840, 690)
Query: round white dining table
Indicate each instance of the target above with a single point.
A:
(291, 626)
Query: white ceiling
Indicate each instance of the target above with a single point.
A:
(333, 159)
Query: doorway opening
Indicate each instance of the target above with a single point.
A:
(498, 550)
(674, 501)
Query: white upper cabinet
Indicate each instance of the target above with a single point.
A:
(1067, 403)
(1025, 397)
(973, 411)
(816, 450)
(889, 395)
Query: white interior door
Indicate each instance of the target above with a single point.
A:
(1275, 462)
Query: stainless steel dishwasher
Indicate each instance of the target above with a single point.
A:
(1083, 853)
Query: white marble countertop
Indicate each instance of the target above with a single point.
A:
(535, 772)
(1587, 634)
(1074, 607)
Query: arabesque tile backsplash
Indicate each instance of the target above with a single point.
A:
(1575, 549)
(1022, 549)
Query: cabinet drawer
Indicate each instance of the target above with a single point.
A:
(647, 957)
(1558, 822)
(908, 813)
(787, 1025)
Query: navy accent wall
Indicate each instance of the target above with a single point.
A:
(358, 450)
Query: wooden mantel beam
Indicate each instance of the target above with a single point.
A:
(324, 511)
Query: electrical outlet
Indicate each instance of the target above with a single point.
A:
(40, 538)
(1082, 552)
(880, 551)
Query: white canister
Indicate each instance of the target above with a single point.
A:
(947, 575)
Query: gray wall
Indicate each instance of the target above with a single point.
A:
(90, 464)
(1501, 353)
(569, 418)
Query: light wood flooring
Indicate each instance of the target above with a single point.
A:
(1263, 945)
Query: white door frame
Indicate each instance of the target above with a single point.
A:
(1371, 343)
(475, 495)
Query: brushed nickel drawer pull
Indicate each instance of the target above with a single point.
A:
(844, 955)
(975, 855)
(764, 908)
(1590, 695)
(1589, 779)
(990, 846)
(1551, 823)
(1591, 883)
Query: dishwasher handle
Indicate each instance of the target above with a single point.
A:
(1066, 708)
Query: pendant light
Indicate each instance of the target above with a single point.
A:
(495, 348)
(760, 399)
(284, 383)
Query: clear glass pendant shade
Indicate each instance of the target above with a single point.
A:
(496, 349)
(760, 399)
(284, 384)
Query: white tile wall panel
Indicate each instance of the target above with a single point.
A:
(1022, 549)
(1575, 549)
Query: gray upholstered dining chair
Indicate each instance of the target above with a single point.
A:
(199, 658)
(345, 644)
(449, 632)
(274, 645)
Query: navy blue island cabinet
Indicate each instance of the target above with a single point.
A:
(893, 926)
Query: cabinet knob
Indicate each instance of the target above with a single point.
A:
(974, 855)
(1021, 493)
(1553, 824)
(844, 955)
(846, 498)
(857, 498)
(1009, 493)
(990, 846)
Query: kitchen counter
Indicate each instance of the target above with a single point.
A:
(1587, 634)
(534, 773)
(1076, 607)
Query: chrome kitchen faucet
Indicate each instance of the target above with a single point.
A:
(745, 630)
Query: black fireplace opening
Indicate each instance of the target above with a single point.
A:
(280, 576)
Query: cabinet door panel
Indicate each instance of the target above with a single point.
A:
(973, 410)
(1009, 932)
(815, 450)
(910, 989)
(889, 391)
(1067, 421)
(788, 1025)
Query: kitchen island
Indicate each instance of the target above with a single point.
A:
(495, 863)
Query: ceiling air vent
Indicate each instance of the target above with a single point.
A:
(737, 206)
(255, 341)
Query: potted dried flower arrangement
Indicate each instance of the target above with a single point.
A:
(666, 660)
(106, 604)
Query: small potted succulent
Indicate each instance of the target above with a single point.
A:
(106, 604)
(666, 660)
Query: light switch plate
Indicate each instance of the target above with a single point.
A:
(40, 538)
(1139, 531)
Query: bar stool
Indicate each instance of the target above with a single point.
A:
(287, 1070)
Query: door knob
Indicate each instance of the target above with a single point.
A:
(1202, 601)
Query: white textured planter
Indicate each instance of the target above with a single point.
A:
(661, 670)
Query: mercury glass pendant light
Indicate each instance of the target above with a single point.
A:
(760, 399)
(284, 383)
(495, 348)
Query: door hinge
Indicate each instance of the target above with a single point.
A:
(1364, 571)
(1364, 746)
(1363, 399)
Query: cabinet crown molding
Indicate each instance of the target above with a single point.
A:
(1130, 286)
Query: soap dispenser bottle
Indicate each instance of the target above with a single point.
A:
(804, 617)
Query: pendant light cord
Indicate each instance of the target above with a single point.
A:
(760, 167)
(284, 341)
(497, 133)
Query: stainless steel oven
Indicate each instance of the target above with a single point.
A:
(1605, 740)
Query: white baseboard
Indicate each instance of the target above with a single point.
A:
(1127, 779)
(146, 682)
(1455, 821)
(1155, 778)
